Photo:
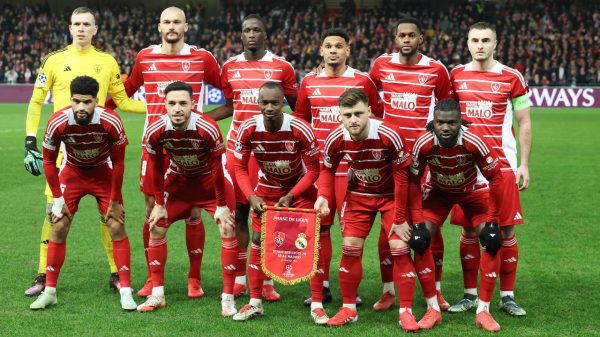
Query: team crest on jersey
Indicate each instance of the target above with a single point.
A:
(290, 146)
(423, 79)
(495, 86)
(279, 238)
(461, 160)
(195, 143)
(185, 65)
(97, 68)
(98, 137)
(268, 74)
(377, 154)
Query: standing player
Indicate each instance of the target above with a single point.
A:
(58, 69)
(458, 160)
(318, 104)
(241, 77)
(377, 182)
(490, 93)
(94, 140)
(288, 156)
(411, 83)
(156, 67)
(194, 181)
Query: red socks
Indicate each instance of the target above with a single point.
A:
(146, 238)
(229, 254)
(241, 261)
(386, 265)
(490, 268)
(157, 254)
(509, 255)
(325, 252)
(470, 257)
(404, 276)
(255, 273)
(425, 270)
(56, 258)
(437, 250)
(350, 273)
(122, 256)
(194, 241)
(316, 282)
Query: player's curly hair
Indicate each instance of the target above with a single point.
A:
(447, 104)
(84, 85)
(410, 19)
(336, 32)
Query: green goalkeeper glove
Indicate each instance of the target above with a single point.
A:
(33, 157)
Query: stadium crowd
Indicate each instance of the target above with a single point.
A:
(552, 44)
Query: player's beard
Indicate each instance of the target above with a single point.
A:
(172, 40)
(409, 54)
(85, 120)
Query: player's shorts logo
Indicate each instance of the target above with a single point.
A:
(279, 238)
(423, 78)
(290, 146)
(268, 74)
(185, 66)
(495, 86)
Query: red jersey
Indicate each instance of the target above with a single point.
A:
(318, 102)
(241, 79)
(458, 169)
(155, 70)
(101, 141)
(288, 158)
(485, 100)
(410, 92)
(371, 161)
(191, 151)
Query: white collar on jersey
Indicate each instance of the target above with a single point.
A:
(373, 130)
(268, 57)
(185, 50)
(497, 68)
(424, 61)
(459, 141)
(95, 119)
(286, 126)
(348, 73)
(191, 126)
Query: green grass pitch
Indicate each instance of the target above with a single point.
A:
(557, 283)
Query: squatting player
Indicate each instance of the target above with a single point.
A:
(58, 69)
(377, 182)
(318, 104)
(94, 141)
(458, 160)
(288, 156)
(411, 84)
(156, 67)
(490, 93)
(194, 181)
(241, 77)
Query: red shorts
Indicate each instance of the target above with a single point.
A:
(183, 193)
(146, 174)
(359, 211)
(335, 201)
(438, 204)
(253, 169)
(78, 182)
(271, 196)
(510, 212)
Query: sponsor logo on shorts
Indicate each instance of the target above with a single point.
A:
(479, 109)
(404, 101)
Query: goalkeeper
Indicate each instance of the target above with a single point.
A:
(58, 69)
(458, 160)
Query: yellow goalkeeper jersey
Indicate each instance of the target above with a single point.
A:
(60, 67)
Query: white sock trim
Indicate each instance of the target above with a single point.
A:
(388, 287)
(471, 291)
